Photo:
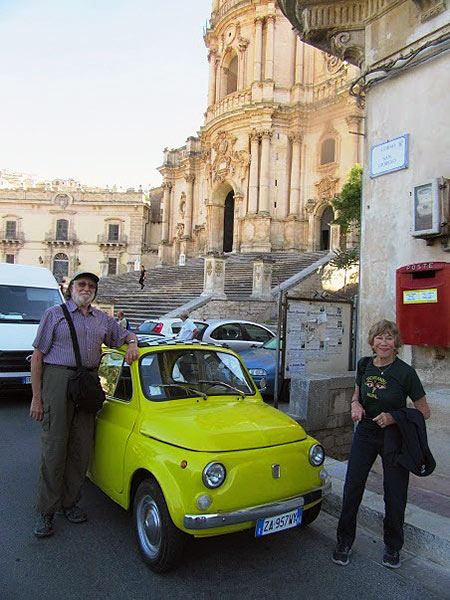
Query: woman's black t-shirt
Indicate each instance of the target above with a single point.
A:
(386, 388)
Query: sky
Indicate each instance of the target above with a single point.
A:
(94, 90)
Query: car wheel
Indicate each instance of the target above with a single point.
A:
(311, 514)
(159, 541)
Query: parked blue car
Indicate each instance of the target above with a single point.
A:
(261, 364)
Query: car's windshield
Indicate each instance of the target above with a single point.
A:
(271, 344)
(166, 374)
(20, 304)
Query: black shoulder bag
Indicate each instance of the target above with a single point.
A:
(83, 388)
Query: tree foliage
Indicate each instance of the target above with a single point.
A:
(344, 259)
(348, 203)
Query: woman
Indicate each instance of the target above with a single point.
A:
(383, 383)
(142, 276)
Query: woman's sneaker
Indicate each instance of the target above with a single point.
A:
(391, 559)
(341, 554)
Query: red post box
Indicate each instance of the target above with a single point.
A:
(423, 300)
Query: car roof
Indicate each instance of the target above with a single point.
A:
(225, 321)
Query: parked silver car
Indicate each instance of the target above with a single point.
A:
(165, 327)
(236, 334)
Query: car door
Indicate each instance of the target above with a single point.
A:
(230, 334)
(255, 335)
(114, 424)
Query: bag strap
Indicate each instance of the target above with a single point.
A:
(76, 347)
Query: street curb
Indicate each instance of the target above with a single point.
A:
(426, 534)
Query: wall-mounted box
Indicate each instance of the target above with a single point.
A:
(423, 303)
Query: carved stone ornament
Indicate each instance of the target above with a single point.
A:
(62, 200)
(326, 187)
(333, 63)
(348, 45)
(227, 161)
(179, 231)
(310, 205)
(243, 43)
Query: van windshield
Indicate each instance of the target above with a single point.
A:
(25, 304)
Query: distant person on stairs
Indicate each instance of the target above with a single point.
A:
(142, 277)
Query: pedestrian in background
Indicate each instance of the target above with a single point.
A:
(142, 276)
(383, 384)
(122, 320)
(188, 330)
(68, 433)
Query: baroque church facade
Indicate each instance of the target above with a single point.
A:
(279, 137)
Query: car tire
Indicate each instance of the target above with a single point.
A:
(160, 542)
(311, 514)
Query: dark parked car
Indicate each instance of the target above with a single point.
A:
(261, 363)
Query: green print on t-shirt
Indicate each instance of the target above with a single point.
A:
(375, 383)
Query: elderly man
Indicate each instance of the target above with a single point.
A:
(68, 433)
(188, 330)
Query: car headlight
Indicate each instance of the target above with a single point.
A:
(214, 475)
(316, 455)
(259, 372)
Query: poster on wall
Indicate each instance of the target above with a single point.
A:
(317, 336)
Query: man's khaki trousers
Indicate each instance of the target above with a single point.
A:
(66, 444)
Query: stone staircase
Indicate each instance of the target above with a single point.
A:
(168, 288)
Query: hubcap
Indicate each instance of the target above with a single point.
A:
(149, 526)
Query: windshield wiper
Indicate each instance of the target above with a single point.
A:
(227, 385)
(185, 388)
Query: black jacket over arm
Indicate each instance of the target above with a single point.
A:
(406, 443)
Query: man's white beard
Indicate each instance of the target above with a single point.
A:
(81, 299)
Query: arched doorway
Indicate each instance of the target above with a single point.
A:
(60, 266)
(326, 219)
(228, 222)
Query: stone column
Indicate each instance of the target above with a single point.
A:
(262, 279)
(213, 210)
(103, 268)
(254, 171)
(242, 45)
(335, 236)
(238, 197)
(214, 277)
(257, 63)
(188, 206)
(294, 203)
(265, 172)
(268, 75)
(212, 78)
(298, 77)
(166, 209)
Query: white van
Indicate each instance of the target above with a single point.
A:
(25, 293)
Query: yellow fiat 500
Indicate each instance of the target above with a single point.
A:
(185, 441)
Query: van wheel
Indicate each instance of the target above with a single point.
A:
(311, 514)
(159, 541)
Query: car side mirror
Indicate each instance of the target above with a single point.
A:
(254, 346)
(262, 384)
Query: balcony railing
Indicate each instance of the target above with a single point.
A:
(6, 237)
(106, 240)
(228, 104)
(224, 9)
(61, 240)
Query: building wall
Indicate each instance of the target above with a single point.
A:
(396, 107)
(261, 141)
(36, 212)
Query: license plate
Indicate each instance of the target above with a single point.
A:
(26, 379)
(279, 523)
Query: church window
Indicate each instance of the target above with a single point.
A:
(113, 232)
(112, 266)
(10, 258)
(11, 230)
(62, 230)
(328, 151)
(232, 75)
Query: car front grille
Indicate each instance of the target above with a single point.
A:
(14, 361)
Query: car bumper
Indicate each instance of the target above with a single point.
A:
(252, 513)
